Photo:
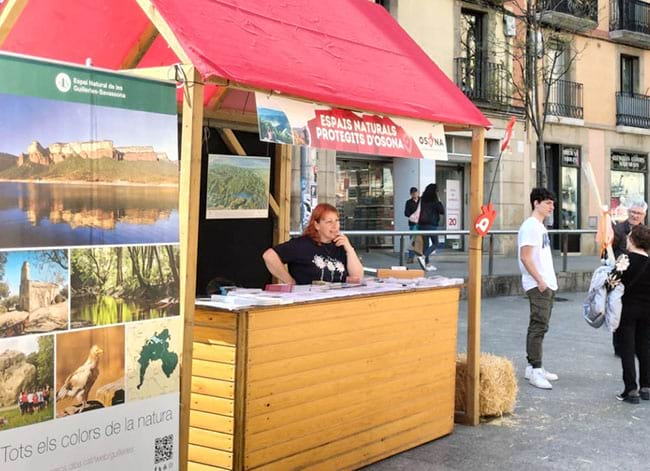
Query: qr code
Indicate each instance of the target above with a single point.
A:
(164, 449)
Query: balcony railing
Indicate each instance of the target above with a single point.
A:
(633, 110)
(572, 15)
(581, 8)
(565, 99)
(482, 81)
(629, 22)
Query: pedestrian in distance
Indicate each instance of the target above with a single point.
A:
(539, 282)
(636, 215)
(430, 211)
(634, 329)
(410, 207)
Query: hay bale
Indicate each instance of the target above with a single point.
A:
(497, 383)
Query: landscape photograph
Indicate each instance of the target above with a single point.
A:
(153, 350)
(33, 292)
(89, 370)
(112, 285)
(26, 381)
(237, 187)
(76, 174)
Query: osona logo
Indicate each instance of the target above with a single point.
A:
(63, 82)
(431, 140)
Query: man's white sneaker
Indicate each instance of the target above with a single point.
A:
(430, 268)
(538, 379)
(548, 375)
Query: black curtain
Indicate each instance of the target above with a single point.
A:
(231, 249)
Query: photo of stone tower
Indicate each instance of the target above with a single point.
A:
(34, 294)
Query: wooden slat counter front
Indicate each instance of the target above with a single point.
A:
(329, 385)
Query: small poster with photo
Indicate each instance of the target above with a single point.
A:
(237, 187)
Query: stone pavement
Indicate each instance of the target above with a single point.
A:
(578, 425)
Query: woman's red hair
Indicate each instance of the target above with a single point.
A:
(316, 215)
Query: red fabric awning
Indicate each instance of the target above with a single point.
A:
(346, 53)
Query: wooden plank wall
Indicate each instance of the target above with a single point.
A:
(341, 384)
(212, 402)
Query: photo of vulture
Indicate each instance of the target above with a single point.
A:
(79, 383)
(89, 370)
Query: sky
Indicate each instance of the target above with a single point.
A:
(26, 344)
(26, 119)
(36, 272)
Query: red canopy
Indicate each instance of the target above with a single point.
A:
(346, 53)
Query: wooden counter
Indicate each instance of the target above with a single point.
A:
(329, 385)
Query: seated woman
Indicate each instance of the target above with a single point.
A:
(322, 253)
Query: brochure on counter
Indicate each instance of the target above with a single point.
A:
(239, 298)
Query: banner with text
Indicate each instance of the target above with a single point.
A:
(90, 327)
(286, 121)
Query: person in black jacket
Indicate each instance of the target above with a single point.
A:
(636, 214)
(634, 329)
(409, 208)
(430, 211)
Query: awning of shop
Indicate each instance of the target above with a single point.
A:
(346, 53)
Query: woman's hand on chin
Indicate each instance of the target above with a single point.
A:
(341, 240)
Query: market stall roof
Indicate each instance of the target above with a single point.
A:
(345, 53)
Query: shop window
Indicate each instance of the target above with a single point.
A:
(365, 199)
(563, 175)
(628, 181)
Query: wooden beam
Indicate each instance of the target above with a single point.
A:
(190, 184)
(231, 141)
(282, 192)
(217, 98)
(140, 48)
(157, 73)
(10, 14)
(274, 206)
(163, 28)
(456, 128)
(234, 116)
(472, 388)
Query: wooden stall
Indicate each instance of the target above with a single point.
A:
(219, 55)
(331, 384)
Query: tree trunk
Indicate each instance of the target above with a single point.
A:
(133, 253)
(542, 167)
(119, 275)
(160, 272)
(173, 265)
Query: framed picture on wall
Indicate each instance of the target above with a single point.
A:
(237, 187)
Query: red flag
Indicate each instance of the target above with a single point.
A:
(508, 135)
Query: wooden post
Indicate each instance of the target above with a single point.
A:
(9, 16)
(188, 195)
(472, 414)
(282, 192)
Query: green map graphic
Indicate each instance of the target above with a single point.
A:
(157, 348)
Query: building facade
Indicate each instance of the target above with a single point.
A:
(597, 113)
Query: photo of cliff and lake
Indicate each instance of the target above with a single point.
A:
(113, 285)
(65, 183)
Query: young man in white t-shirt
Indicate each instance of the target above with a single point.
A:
(539, 282)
